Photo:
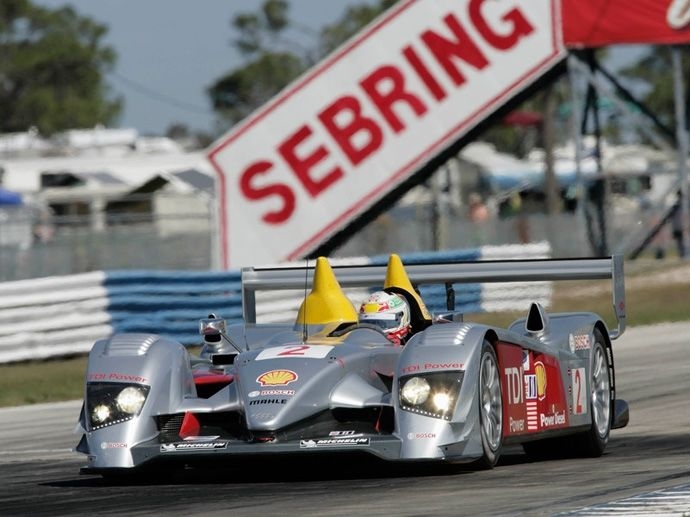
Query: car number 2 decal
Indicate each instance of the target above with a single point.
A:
(295, 351)
(579, 391)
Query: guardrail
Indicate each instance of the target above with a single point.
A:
(64, 315)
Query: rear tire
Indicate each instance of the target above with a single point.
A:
(592, 442)
(490, 407)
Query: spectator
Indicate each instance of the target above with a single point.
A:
(477, 211)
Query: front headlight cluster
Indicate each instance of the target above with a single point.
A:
(431, 394)
(109, 403)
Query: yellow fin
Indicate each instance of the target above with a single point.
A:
(326, 303)
(396, 276)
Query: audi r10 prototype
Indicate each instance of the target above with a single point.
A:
(456, 392)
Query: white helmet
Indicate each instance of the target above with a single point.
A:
(389, 311)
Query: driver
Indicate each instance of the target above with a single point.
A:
(389, 311)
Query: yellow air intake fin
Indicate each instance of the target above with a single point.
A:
(326, 303)
(397, 279)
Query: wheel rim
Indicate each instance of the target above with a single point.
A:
(491, 407)
(601, 392)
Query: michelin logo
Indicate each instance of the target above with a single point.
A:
(332, 442)
(193, 446)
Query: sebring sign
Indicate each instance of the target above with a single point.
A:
(370, 116)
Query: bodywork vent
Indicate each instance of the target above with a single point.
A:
(130, 344)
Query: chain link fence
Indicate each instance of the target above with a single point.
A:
(32, 248)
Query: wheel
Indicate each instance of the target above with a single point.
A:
(592, 443)
(490, 407)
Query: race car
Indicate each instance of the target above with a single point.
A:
(325, 383)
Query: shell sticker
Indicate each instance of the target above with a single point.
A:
(276, 378)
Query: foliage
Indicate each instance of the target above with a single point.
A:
(52, 68)
(274, 57)
(655, 70)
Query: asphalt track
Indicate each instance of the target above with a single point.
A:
(646, 465)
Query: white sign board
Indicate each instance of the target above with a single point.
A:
(371, 115)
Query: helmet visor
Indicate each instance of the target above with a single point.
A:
(386, 321)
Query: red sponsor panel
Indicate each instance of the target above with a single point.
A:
(370, 116)
(596, 23)
(533, 394)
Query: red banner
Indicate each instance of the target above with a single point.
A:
(596, 23)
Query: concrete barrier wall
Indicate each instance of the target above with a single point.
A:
(64, 315)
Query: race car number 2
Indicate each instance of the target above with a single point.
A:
(298, 351)
(579, 391)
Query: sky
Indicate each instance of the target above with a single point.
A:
(171, 51)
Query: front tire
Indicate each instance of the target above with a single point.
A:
(490, 407)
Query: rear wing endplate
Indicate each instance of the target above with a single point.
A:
(279, 278)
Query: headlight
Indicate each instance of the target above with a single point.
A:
(415, 391)
(433, 394)
(109, 403)
(130, 400)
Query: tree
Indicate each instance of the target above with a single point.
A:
(654, 71)
(275, 58)
(52, 70)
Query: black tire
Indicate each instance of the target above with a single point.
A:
(592, 442)
(490, 407)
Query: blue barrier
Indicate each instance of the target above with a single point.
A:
(76, 310)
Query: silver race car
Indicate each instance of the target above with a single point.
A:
(456, 392)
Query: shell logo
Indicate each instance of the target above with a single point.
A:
(540, 371)
(276, 378)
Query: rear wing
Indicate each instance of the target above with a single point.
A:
(279, 278)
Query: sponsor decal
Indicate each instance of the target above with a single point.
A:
(271, 393)
(277, 378)
(532, 415)
(555, 419)
(113, 445)
(579, 342)
(530, 386)
(517, 425)
(514, 385)
(342, 433)
(333, 442)
(678, 14)
(431, 366)
(444, 366)
(201, 438)
(259, 402)
(192, 446)
(114, 376)
(525, 360)
(297, 351)
(579, 391)
(540, 372)
(421, 436)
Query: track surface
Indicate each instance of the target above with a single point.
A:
(39, 473)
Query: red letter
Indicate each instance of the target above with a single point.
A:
(520, 26)
(393, 78)
(277, 189)
(302, 166)
(463, 47)
(344, 133)
(423, 72)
